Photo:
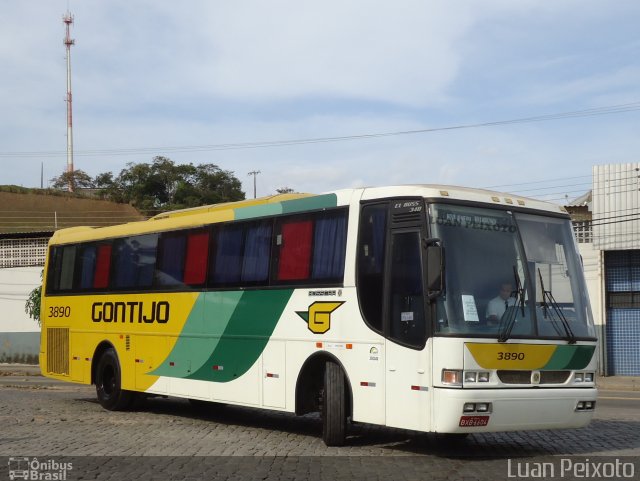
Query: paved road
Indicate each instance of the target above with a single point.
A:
(59, 421)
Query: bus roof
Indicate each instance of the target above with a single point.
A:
(290, 203)
(469, 194)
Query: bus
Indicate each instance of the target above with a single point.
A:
(429, 308)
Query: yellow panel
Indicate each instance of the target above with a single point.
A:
(511, 356)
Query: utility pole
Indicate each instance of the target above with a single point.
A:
(255, 174)
(67, 19)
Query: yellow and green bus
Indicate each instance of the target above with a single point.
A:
(430, 308)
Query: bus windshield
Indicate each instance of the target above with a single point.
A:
(509, 275)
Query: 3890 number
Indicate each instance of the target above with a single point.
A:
(59, 311)
(511, 356)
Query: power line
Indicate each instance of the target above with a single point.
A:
(537, 182)
(608, 110)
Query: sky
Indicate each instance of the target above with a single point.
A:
(185, 79)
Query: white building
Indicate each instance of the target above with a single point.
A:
(610, 245)
(21, 262)
(27, 221)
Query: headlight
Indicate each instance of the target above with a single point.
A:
(470, 376)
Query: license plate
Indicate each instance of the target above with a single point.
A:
(473, 421)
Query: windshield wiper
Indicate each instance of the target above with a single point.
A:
(509, 319)
(549, 305)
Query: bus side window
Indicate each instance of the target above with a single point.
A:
(53, 274)
(241, 254)
(311, 247)
(134, 263)
(371, 254)
(67, 267)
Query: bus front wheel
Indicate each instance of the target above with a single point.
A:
(334, 406)
(108, 383)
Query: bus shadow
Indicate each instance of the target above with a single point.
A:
(600, 438)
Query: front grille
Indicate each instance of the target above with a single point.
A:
(524, 377)
(515, 377)
(554, 377)
(58, 350)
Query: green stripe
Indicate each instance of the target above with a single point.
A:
(258, 211)
(315, 202)
(245, 336)
(310, 203)
(570, 357)
(201, 333)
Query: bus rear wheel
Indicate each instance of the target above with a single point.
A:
(108, 383)
(334, 406)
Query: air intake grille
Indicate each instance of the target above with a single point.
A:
(515, 377)
(524, 377)
(554, 377)
(58, 350)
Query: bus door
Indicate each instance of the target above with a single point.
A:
(407, 357)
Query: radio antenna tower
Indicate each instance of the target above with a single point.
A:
(67, 19)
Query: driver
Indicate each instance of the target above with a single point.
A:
(499, 304)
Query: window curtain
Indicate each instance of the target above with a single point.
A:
(103, 264)
(255, 266)
(171, 271)
(87, 267)
(295, 252)
(329, 248)
(195, 270)
(228, 259)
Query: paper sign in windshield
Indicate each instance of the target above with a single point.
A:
(469, 308)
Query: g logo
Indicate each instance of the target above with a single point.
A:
(318, 317)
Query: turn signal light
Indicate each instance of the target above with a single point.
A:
(452, 377)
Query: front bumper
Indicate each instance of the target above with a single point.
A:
(511, 409)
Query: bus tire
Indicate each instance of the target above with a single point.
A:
(110, 394)
(334, 406)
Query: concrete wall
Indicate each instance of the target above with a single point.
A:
(616, 200)
(19, 334)
(594, 276)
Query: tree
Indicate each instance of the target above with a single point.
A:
(32, 306)
(76, 179)
(162, 185)
(108, 187)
